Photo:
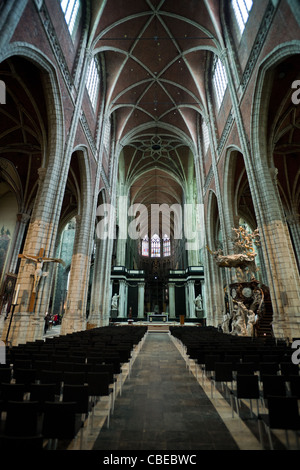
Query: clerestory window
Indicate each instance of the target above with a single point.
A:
(205, 136)
(71, 10)
(241, 10)
(93, 81)
(219, 80)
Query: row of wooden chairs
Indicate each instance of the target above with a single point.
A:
(246, 369)
(48, 388)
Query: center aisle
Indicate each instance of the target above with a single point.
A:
(163, 407)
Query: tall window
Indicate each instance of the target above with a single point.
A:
(93, 81)
(205, 136)
(145, 246)
(219, 80)
(107, 129)
(71, 9)
(166, 246)
(241, 10)
(155, 246)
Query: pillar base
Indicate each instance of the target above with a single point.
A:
(24, 327)
(72, 323)
(286, 329)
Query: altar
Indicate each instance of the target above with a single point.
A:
(151, 316)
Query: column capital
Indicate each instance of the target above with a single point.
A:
(223, 54)
(42, 173)
(23, 218)
(274, 174)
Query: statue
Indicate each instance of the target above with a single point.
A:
(238, 321)
(198, 303)
(241, 326)
(243, 320)
(244, 258)
(156, 310)
(39, 261)
(251, 322)
(225, 323)
(249, 299)
(114, 302)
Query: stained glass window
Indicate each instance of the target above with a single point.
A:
(155, 246)
(145, 246)
(166, 246)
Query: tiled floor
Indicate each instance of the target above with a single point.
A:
(165, 405)
(162, 406)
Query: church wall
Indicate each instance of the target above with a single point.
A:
(280, 32)
(68, 46)
(222, 113)
(263, 45)
(57, 46)
(90, 114)
(276, 36)
(245, 42)
(207, 162)
(36, 36)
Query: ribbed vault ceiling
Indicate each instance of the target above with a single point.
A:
(155, 54)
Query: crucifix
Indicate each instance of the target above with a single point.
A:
(39, 260)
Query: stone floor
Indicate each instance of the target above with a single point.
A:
(163, 407)
(165, 404)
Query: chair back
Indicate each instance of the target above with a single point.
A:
(247, 386)
(283, 413)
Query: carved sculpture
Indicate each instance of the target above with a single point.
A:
(225, 323)
(114, 302)
(39, 261)
(244, 260)
(198, 302)
(247, 296)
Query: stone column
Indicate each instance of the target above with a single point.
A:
(122, 294)
(141, 295)
(126, 300)
(187, 305)
(122, 213)
(26, 325)
(293, 223)
(97, 284)
(22, 220)
(191, 298)
(172, 311)
(110, 295)
(10, 16)
(280, 260)
(282, 271)
(106, 284)
(203, 298)
(74, 318)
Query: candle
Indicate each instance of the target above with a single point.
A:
(16, 295)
